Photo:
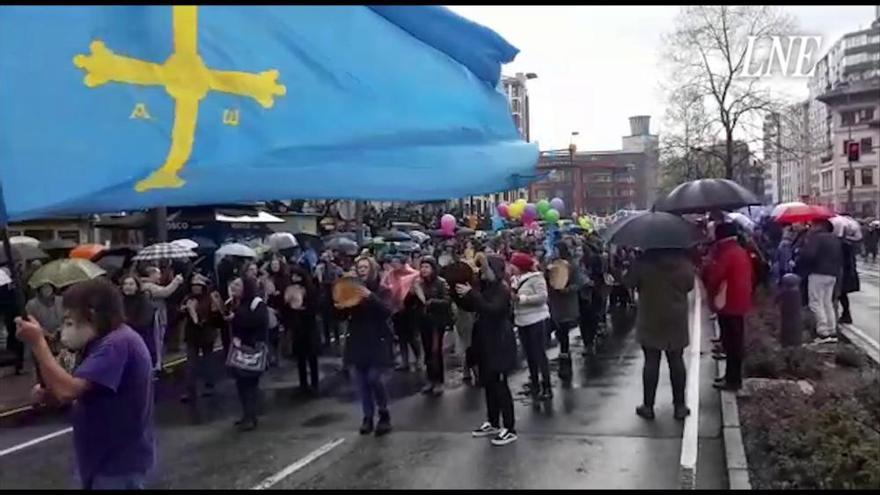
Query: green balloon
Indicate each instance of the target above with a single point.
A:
(543, 207)
(552, 215)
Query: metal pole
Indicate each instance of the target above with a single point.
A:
(359, 221)
(14, 274)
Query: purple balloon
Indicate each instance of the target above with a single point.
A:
(531, 210)
(529, 216)
(557, 204)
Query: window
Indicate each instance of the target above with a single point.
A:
(867, 145)
(857, 40)
(69, 235)
(41, 234)
(847, 178)
(847, 118)
(867, 177)
(826, 180)
(865, 114)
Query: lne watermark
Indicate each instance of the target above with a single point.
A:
(786, 56)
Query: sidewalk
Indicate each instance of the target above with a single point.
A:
(15, 390)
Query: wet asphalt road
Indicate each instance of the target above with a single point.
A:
(587, 437)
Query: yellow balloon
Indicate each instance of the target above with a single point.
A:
(516, 210)
(522, 201)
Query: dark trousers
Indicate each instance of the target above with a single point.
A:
(330, 324)
(844, 304)
(199, 363)
(432, 344)
(620, 296)
(587, 323)
(406, 338)
(562, 330)
(371, 389)
(533, 338)
(225, 339)
(732, 328)
(310, 361)
(499, 401)
(651, 375)
(248, 394)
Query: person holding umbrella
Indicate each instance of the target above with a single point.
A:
(151, 283)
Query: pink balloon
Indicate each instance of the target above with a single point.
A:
(447, 222)
(529, 216)
(504, 210)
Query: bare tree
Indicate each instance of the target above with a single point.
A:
(707, 52)
(687, 128)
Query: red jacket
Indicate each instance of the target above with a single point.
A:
(730, 263)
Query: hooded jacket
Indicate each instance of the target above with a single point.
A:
(493, 339)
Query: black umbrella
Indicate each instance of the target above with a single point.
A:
(702, 195)
(310, 241)
(407, 226)
(395, 235)
(654, 230)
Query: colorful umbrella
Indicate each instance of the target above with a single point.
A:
(802, 214)
(64, 272)
(86, 251)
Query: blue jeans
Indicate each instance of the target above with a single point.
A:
(134, 481)
(371, 389)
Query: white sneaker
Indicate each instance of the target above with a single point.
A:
(485, 430)
(504, 437)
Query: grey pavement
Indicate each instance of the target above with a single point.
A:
(865, 304)
(587, 437)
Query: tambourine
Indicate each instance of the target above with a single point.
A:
(348, 292)
(458, 272)
(560, 272)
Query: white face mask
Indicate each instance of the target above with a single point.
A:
(75, 337)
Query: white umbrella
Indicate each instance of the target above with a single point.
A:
(23, 239)
(282, 240)
(185, 243)
(742, 220)
(846, 228)
(419, 237)
(5, 279)
(236, 249)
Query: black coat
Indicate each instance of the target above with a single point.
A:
(302, 323)
(251, 326)
(849, 282)
(493, 340)
(369, 339)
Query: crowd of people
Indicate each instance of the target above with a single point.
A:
(495, 295)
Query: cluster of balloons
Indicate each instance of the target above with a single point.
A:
(529, 213)
(585, 223)
(447, 225)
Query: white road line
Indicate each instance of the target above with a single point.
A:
(35, 441)
(296, 466)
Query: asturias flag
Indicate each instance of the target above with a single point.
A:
(124, 107)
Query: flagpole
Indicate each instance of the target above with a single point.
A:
(17, 282)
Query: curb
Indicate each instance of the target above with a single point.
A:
(734, 450)
(690, 431)
(858, 338)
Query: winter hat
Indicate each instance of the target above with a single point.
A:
(522, 261)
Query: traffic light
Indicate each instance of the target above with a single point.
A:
(853, 151)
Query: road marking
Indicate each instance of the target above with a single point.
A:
(296, 466)
(35, 441)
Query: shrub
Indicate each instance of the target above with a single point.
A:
(795, 363)
(849, 357)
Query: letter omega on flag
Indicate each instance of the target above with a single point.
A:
(186, 78)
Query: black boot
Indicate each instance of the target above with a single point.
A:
(384, 424)
(367, 426)
(546, 392)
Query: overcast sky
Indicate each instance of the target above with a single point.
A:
(598, 65)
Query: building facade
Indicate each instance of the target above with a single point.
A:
(788, 153)
(846, 89)
(603, 182)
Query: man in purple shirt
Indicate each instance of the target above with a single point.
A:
(111, 390)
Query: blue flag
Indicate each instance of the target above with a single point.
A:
(126, 107)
